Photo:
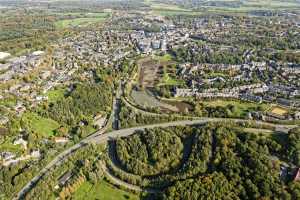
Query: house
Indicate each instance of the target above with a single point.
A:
(38, 53)
(285, 102)
(6, 155)
(41, 98)
(268, 98)
(61, 140)
(164, 46)
(4, 55)
(20, 108)
(3, 120)
(45, 75)
(35, 154)
(145, 46)
(284, 170)
(250, 97)
(155, 44)
(21, 141)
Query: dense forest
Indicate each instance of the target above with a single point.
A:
(80, 105)
(219, 162)
(138, 151)
(293, 146)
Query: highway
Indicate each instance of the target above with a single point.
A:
(100, 137)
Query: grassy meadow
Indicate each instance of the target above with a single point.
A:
(40, 125)
(81, 20)
(102, 191)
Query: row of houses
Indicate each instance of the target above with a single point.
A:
(8, 158)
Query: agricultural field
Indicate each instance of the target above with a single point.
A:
(164, 9)
(102, 191)
(174, 13)
(167, 7)
(160, 5)
(78, 22)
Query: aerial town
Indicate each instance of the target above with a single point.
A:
(156, 99)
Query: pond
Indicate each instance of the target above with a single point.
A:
(146, 98)
(181, 106)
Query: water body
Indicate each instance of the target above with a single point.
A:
(145, 98)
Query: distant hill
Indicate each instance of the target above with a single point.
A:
(242, 4)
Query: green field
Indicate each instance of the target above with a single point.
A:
(175, 12)
(241, 107)
(57, 94)
(217, 74)
(168, 7)
(8, 146)
(9, 102)
(102, 191)
(168, 80)
(80, 22)
(164, 58)
(40, 125)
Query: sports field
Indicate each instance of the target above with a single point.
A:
(279, 111)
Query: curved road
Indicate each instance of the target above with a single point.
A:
(99, 138)
(119, 182)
